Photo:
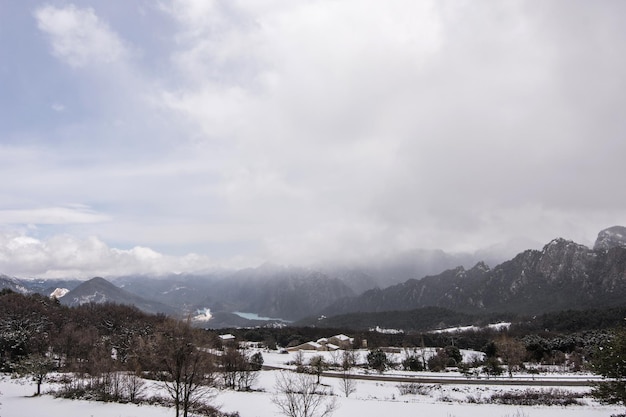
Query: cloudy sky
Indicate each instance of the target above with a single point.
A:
(152, 136)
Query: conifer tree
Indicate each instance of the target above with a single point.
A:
(610, 362)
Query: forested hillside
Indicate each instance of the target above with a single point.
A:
(106, 351)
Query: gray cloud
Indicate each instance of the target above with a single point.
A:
(319, 130)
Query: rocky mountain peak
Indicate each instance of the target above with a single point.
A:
(610, 238)
(560, 246)
(556, 243)
(563, 275)
(481, 267)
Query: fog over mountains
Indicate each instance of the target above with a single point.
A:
(181, 137)
(562, 275)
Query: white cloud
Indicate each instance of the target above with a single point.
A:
(65, 256)
(79, 37)
(52, 215)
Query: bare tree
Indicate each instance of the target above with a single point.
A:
(134, 387)
(38, 366)
(349, 359)
(348, 383)
(189, 370)
(298, 358)
(249, 372)
(318, 364)
(231, 362)
(512, 353)
(238, 369)
(298, 395)
(335, 358)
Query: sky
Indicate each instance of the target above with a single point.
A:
(182, 135)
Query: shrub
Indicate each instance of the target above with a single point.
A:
(377, 359)
(414, 389)
(518, 413)
(412, 363)
(550, 396)
(438, 362)
(492, 367)
(454, 355)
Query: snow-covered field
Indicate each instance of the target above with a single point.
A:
(372, 398)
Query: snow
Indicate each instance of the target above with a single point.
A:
(379, 329)
(59, 292)
(372, 398)
(494, 326)
(499, 326)
(96, 297)
(456, 329)
(17, 401)
(203, 315)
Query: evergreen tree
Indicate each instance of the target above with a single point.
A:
(256, 361)
(610, 361)
(377, 359)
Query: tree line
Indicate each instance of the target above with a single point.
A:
(106, 351)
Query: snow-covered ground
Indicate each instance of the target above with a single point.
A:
(494, 326)
(372, 398)
(555, 373)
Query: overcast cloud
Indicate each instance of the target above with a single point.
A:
(180, 135)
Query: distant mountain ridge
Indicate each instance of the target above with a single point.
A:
(284, 292)
(98, 290)
(563, 275)
(13, 284)
(40, 286)
(417, 263)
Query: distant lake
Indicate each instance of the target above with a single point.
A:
(254, 316)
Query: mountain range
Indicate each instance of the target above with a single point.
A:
(563, 275)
